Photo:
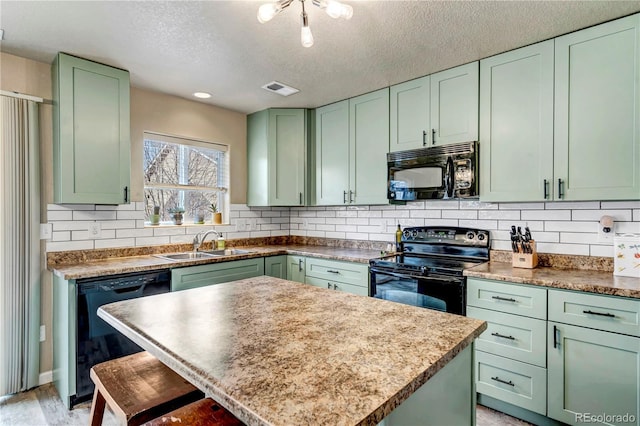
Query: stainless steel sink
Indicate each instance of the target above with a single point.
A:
(190, 255)
(227, 252)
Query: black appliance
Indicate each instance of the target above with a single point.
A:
(448, 171)
(427, 271)
(97, 341)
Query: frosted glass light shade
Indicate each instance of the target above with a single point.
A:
(306, 37)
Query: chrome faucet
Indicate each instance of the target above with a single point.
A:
(200, 236)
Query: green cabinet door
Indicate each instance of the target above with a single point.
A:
(454, 105)
(368, 147)
(215, 273)
(409, 115)
(276, 157)
(516, 124)
(276, 266)
(591, 371)
(296, 268)
(287, 161)
(92, 147)
(597, 124)
(332, 154)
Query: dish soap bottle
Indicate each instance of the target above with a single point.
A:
(398, 238)
(220, 242)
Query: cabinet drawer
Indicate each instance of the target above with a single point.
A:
(512, 336)
(607, 313)
(509, 298)
(335, 285)
(512, 381)
(344, 272)
(216, 273)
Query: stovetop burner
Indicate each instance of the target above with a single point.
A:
(438, 251)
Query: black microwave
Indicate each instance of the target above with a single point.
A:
(439, 172)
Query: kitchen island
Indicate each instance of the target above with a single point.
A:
(277, 352)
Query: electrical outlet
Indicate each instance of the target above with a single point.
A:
(45, 231)
(95, 230)
(305, 224)
(254, 224)
(604, 237)
(43, 333)
(241, 225)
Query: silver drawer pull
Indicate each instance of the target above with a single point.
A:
(504, 299)
(503, 336)
(498, 379)
(605, 314)
(331, 271)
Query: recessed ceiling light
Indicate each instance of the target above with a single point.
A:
(202, 95)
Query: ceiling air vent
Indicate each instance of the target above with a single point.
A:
(280, 88)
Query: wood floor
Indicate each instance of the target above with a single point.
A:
(42, 407)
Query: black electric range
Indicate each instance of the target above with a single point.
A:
(428, 269)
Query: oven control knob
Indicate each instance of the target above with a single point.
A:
(470, 235)
(414, 234)
(406, 233)
(481, 237)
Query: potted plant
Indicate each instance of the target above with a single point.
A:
(198, 218)
(155, 217)
(217, 216)
(177, 214)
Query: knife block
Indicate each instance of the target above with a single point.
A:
(526, 260)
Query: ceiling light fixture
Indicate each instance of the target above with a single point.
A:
(202, 95)
(334, 8)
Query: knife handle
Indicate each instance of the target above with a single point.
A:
(546, 189)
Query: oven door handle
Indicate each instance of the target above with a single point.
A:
(415, 277)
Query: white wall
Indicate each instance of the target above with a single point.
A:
(558, 227)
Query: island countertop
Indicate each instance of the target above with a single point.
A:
(275, 352)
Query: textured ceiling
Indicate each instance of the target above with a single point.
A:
(180, 47)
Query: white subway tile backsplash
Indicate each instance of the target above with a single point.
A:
(545, 215)
(114, 243)
(499, 214)
(460, 214)
(618, 215)
(559, 227)
(571, 205)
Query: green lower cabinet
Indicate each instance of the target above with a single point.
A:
(518, 383)
(336, 285)
(215, 273)
(276, 266)
(593, 373)
(296, 268)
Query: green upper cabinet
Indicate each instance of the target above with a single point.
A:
(454, 105)
(516, 124)
(352, 140)
(332, 154)
(409, 114)
(368, 147)
(597, 124)
(276, 156)
(92, 146)
(435, 110)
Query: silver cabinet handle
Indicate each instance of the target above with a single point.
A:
(503, 336)
(433, 136)
(424, 138)
(299, 265)
(498, 379)
(351, 195)
(344, 197)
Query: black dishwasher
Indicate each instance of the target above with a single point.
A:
(97, 341)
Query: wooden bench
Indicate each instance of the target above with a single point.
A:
(138, 388)
(205, 412)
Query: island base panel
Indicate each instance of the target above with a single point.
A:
(448, 398)
(515, 411)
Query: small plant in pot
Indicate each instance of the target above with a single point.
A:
(216, 215)
(177, 214)
(155, 217)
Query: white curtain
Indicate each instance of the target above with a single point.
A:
(19, 245)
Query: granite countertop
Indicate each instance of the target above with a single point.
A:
(275, 352)
(120, 265)
(601, 282)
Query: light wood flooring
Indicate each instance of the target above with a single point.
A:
(42, 407)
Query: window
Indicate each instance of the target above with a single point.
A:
(184, 173)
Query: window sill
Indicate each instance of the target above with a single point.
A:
(184, 225)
